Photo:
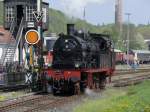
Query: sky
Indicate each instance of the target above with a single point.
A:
(103, 11)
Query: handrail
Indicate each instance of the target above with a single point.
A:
(11, 30)
(19, 34)
(18, 37)
(12, 26)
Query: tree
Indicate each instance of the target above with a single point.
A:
(138, 42)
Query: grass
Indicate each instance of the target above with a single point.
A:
(135, 99)
(10, 95)
(2, 98)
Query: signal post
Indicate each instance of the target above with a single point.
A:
(34, 38)
(40, 54)
(39, 28)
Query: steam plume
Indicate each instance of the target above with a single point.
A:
(76, 7)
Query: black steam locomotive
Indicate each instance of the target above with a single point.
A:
(80, 60)
(79, 50)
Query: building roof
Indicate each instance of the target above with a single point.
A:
(46, 1)
(5, 36)
(117, 51)
(141, 51)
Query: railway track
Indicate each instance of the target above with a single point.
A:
(35, 103)
(124, 72)
(8, 105)
(130, 78)
(51, 104)
(13, 88)
(40, 103)
(130, 81)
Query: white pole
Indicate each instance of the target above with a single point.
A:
(39, 9)
(128, 37)
(39, 5)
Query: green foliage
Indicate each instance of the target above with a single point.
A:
(57, 21)
(144, 30)
(1, 12)
(136, 99)
(135, 37)
(138, 42)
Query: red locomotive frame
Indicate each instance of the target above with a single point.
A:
(67, 74)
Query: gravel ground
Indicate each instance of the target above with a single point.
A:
(89, 95)
(83, 98)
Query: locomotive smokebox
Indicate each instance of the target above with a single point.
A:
(70, 29)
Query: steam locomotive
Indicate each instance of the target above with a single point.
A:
(80, 60)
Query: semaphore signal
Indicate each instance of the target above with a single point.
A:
(32, 37)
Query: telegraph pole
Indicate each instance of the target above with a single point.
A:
(128, 37)
(40, 54)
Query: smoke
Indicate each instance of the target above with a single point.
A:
(89, 92)
(75, 8)
(46, 1)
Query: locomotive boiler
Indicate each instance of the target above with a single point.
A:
(79, 50)
(80, 60)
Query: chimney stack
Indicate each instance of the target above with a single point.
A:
(70, 29)
(118, 14)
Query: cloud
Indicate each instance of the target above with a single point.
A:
(76, 7)
(46, 0)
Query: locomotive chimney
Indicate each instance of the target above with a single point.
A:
(70, 29)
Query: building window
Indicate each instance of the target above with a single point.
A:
(29, 13)
(10, 14)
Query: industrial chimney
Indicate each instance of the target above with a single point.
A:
(118, 14)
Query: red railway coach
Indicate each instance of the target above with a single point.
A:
(119, 56)
(49, 42)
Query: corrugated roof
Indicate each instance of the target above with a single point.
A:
(46, 1)
(141, 51)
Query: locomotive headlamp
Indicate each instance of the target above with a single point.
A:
(77, 65)
(80, 31)
(66, 41)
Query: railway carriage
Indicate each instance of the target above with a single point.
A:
(143, 56)
(119, 56)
